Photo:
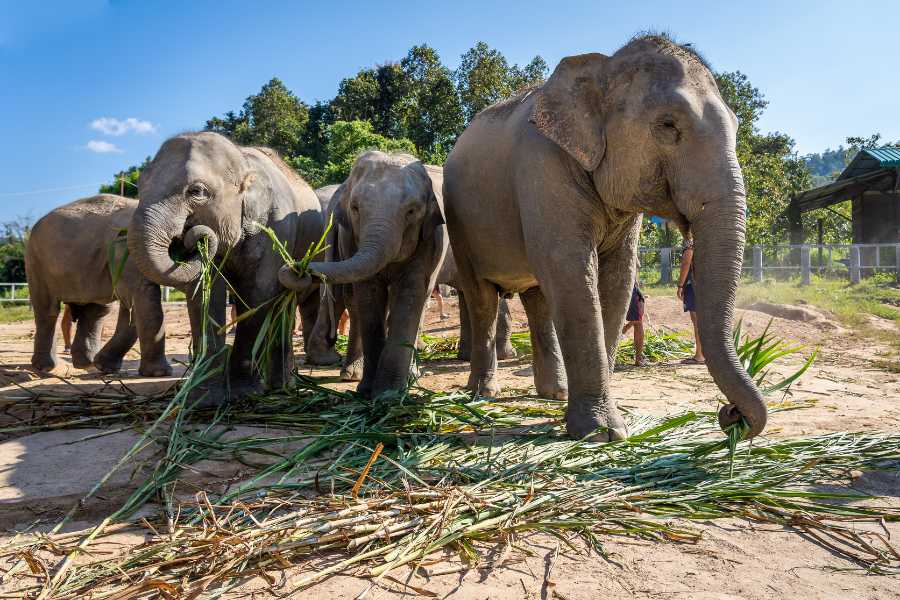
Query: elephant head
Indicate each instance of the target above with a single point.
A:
(387, 206)
(650, 128)
(195, 187)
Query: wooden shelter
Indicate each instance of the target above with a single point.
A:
(872, 182)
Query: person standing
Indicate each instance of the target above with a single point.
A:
(635, 320)
(686, 295)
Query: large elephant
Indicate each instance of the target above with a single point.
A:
(391, 238)
(201, 185)
(67, 259)
(544, 194)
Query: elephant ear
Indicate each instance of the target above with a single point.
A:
(434, 207)
(338, 208)
(568, 108)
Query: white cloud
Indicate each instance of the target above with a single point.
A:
(113, 126)
(101, 147)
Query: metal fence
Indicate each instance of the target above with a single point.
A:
(838, 261)
(18, 292)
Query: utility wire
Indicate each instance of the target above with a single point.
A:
(58, 189)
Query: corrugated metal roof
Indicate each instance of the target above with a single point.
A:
(872, 159)
(889, 156)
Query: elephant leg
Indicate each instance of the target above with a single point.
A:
(615, 280)
(319, 346)
(505, 348)
(206, 342)
(549, 370)
(407, 303)
(369, 311)
(568, 278)
(46, 313)
(352, 367)
(86, 343)
(482, 301)
(109, 359)
(205, 338)
(151, 330)
(465, 329)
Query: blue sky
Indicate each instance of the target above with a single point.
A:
(72, 74)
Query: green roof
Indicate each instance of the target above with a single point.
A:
(872, 159)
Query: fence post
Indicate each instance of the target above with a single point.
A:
(897, 262)
(665, 265)
(854, 264)
(165, 293)
(757, 263)
(804, 265)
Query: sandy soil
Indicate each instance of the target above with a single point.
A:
(845, 389)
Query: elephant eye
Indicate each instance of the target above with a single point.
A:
(197, 192)
(668, 130)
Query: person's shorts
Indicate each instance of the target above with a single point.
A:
(636, 308)
(690, 303)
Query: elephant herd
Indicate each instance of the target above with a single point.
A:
(542, 195)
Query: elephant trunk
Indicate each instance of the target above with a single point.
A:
(718, 257)
(150, 234)
(381, 239)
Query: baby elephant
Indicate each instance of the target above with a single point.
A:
(391, 240)
(70, 257)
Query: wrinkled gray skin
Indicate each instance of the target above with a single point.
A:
(543, 195)
(391, 240)
(448, 275)
(67, 260)
(201, 185)
(320, 350)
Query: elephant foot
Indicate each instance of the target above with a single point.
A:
(43, 362)
(107, 364)
(352, 371)
(321, 357)
(80, 360)
(483, 386)
(553, 392)
(506, 352)
(157, 368)
(595, 421)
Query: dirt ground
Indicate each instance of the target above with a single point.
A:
(845, 389)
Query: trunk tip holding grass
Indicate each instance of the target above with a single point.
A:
(293, 281)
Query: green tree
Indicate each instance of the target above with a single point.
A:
(12, 250)
(131, 176)
(484, 76)
(433, 114)
(374, 95)
(274, 117)
(345, 140)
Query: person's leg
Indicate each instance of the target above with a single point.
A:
(698, 349)
(626, 327)
(66, 327)
(343, 322)
(440, 303)
(639, 344)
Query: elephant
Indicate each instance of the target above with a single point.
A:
(67, 259)
(544, 194)
(320, 350)
(390, 238)
(202, 185)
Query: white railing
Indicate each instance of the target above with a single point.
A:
(18, 292)
(852, 261)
